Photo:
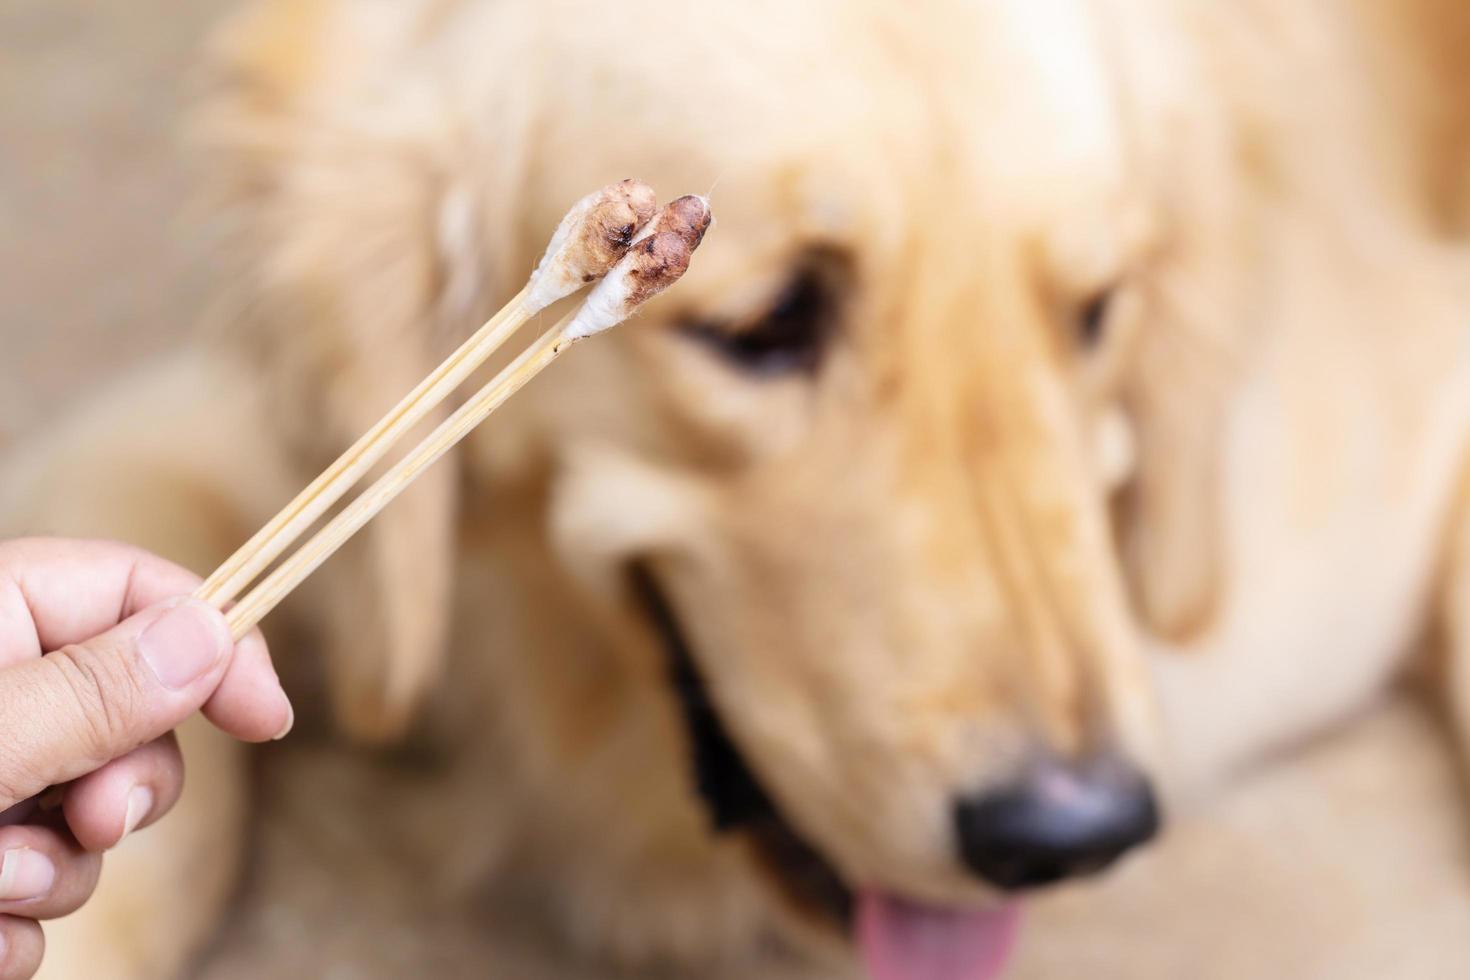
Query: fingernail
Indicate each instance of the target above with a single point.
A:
(140, 804)
(183, 644)
(290, 720)
(25, 874)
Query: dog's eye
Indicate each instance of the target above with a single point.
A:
(788, 337)
(1092, 319)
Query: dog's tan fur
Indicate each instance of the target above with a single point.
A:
(897, 572)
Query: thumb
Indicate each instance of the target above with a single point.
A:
(70, 712)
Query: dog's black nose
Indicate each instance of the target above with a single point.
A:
(1058, 821)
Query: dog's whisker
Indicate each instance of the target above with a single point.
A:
(589, 240)
(642, 272)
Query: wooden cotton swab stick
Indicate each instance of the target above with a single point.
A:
(594, 234)
(648, 268)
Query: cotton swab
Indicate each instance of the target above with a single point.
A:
(589, 240)
(653, 264)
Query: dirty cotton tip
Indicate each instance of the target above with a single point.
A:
(593, 236)
(650, 267)
(688, 217)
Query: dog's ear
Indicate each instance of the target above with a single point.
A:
(352, 192)
(1177, 380)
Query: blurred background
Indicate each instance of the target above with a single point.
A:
(96, 267)
(101, 268)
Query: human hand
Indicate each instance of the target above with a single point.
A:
(100, 659)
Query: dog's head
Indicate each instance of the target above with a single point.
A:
(851, 480)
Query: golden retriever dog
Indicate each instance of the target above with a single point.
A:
(1045, 353)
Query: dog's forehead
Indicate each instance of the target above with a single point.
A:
(840, 121)
(1050, 57)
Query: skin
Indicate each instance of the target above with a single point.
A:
(82, 710)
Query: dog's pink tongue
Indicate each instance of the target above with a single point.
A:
(904, 941)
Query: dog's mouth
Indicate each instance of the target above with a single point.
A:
(898, 939)
(735, 801)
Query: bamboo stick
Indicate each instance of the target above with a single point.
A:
(648, 268)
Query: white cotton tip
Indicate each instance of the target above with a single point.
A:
(649, 268)
(594, 235)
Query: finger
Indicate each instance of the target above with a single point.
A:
(249, 703)
(21, 947)
(20, 813)
(71, 711)
(44, 874)
(125, 795)
(57, 591)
